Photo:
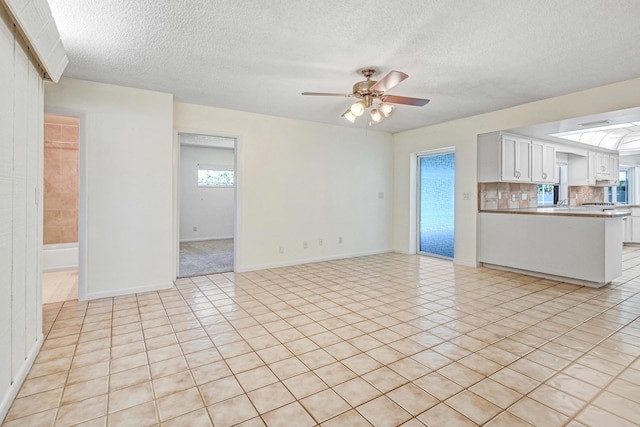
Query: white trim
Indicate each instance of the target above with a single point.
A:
(59, 257)
(203, 239)
(176, 189)
(14, 388)
(414, 222)
(83, 204)
(128, 291)
(311, 260)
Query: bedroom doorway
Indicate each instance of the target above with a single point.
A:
(436, 203)
(207, 204)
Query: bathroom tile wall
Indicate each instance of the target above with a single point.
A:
(61, 149)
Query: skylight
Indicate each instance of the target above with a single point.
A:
(619, 137)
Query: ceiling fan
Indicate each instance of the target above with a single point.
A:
(369, 91)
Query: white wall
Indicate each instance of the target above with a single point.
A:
(463, 135)
(21, 151)
(209, 209)
(302, 181)
(129, 163)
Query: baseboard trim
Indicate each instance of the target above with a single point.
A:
(202, 239)
(14, 388)
(128, 291)
(309, 260)
(466, 263)
(60, 268)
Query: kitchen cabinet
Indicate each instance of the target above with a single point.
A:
(504, 158)
(607, 168)
(626, 229)
(634, 234)
(545, 244)
(515, 159)
(594, 169)
(543, 163)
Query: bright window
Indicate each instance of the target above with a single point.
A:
(545, 194)
(215, 176)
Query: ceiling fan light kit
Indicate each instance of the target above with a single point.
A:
(369, 91)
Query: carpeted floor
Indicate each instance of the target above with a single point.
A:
(206, 257)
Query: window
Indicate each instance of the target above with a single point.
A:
(215, 176)
(619, 194)
(546, 194)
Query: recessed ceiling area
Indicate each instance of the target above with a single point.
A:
(615, 130)
(467, 56)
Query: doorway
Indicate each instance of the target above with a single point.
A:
(207, 204)
(61, 196)
(436, 203)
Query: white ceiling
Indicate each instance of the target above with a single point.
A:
(467, 56)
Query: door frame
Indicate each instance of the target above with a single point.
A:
(176, 190)
(82, 195)
(414, 200)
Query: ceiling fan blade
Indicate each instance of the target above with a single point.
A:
(389, 81)
(327, 94)
(393, 99)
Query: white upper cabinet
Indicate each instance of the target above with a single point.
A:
(595, 169)
(515, 159)
(511, 158)
(543, 163)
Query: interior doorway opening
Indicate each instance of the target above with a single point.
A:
(61, 208)
(436, 203)
(207, 204)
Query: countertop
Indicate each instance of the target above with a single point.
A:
(582, 211)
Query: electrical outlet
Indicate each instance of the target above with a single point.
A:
(320, 242)
(305, 244)
(340, 240)
(524, 196)
(281, 250)
(466, 196)
(195, 228)
(381, 195)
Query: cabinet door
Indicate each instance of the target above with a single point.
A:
(603, 166)
(508, 158)
(592, 168)
(635, 229)
(523, 166)
(626, 228)
(614, 169)
(543, 163)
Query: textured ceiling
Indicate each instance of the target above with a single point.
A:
(467, 56)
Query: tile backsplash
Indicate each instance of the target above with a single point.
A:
(506, 195)
(585, 194)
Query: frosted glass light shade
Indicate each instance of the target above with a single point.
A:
(376, 117)
(349, 116)
(386, 109)
(358, 108)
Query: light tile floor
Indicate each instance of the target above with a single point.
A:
(59, 286)
(381, 340)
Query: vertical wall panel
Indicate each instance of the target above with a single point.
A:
(21, 146)
(19, 232)
(33, 277)
(6, 188)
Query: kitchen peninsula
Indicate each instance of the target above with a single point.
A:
(581, 245)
